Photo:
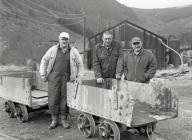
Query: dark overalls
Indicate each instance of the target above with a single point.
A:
(57, 88)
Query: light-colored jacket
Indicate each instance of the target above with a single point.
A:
(76, 63)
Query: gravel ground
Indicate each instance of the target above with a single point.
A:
(181, 127)
(36, 129)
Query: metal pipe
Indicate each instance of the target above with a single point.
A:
(181, 58)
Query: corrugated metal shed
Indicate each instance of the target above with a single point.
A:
(124, 32)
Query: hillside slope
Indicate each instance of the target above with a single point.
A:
(176, 21)
(29, 27)
(166, 14)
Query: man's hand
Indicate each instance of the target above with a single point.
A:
(78, 80)
(100, 80)
(44, 78)
(118, 77)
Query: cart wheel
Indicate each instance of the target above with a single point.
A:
(21, 113)
(147, 130)
(109, 130)
(9, 109)
(86, 125)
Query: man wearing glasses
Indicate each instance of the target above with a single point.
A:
(105, 57)
(60, 64)
(138, 65)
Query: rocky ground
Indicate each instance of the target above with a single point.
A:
(36, 129)
(179, 128)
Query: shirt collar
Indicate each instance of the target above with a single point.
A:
(68, 47)
(140, 52)
(107, 47)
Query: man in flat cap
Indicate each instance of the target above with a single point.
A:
(60, 64)
(138, 64)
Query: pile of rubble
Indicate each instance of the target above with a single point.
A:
(184, 72)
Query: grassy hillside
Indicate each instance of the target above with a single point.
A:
(169, 21)
(166, 14)
(29, 27)
(110, 11)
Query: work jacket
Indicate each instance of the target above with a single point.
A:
(48, 60)
(105, 60)
(138, 68)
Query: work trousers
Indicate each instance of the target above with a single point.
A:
(57, 93)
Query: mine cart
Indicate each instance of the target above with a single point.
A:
(117, 106)
(24, 92)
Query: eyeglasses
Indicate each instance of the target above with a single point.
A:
(136, 43)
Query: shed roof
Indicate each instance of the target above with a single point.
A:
(133, 24)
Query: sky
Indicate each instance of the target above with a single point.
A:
(151, 4)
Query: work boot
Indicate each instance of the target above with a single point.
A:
(54, 122)
(64, 122)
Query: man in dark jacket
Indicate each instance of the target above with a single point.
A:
(138, 64)
(105, 57)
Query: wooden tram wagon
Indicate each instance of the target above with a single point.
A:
(120, 105)
(24, 92)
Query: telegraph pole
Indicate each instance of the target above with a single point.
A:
(108, 24)
(98, 20)
(84, 32)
